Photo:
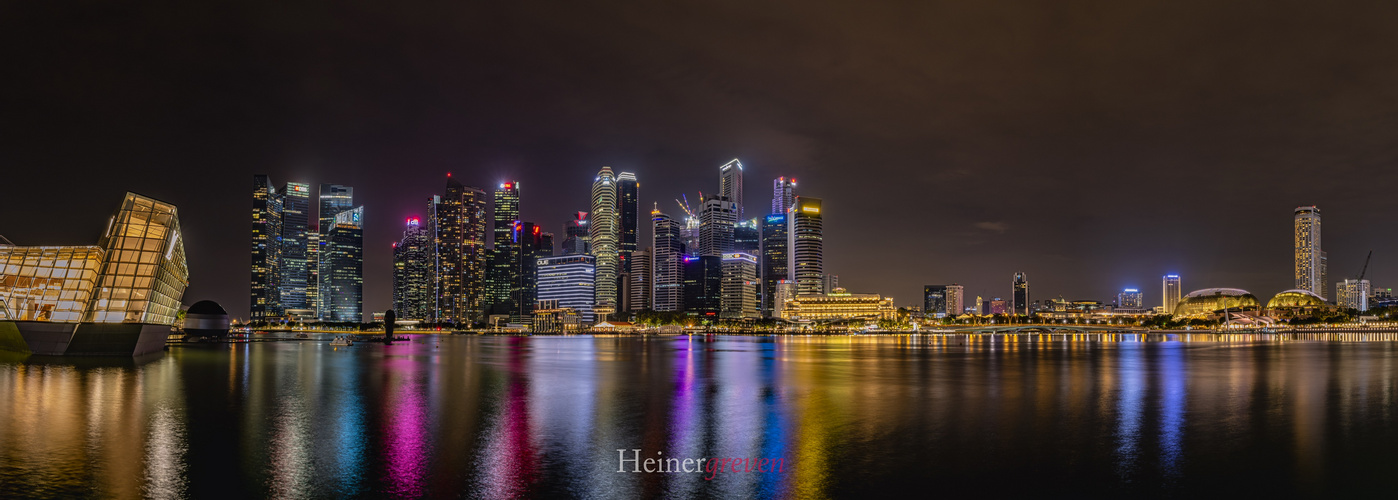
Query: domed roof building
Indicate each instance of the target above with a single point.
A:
(1209, 301)
(1294, 302)
(206, 319)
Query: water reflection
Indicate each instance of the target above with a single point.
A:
(492, 417)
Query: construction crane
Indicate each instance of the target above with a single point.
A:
(1366, 266)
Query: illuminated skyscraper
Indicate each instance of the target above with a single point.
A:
(747, 237)
(703, 285)
(527, 241)
(1130, 299)
(774, 261)
(568, 279)
(783, 194)
(266, 249)
(333, 199)
(412, 276)
(642, 280)
(934, 301)
(628, 212)
(730, 184)
(575, 241)
(505, 214)
(956, 297)
(667, 263)
(461, 235)
(717, 218)
(805, 245)
(1310, 260)
(739, 287)
(1170, 292)
(294, 267)
(342, 278)
(1353, 294)
(1020, 295)
(605, 234)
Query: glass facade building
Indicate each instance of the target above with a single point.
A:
(667, 263)
(605, 236)
(730, 185)
(739, 286)
(774, 260)
(703, 285)
(342, 278)
(460, 220)
(806, 246)
(1310, 265)
(569, 281)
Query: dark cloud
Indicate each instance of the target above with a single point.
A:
(1117, 141)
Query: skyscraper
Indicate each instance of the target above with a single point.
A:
(461, 250)
(412, 276)
(605, 234)
(333, 199)
(1130, 299)
(774, 260)
(1353, 294)
(934, 301)
(783, 194)
(1170, 292)
(342, 278)
(703, 285)
(1020, 296)
(628, 211)
(528, 241)
(805, 245)
(730, 184)
(569, 279)
(956, 296)
(575, 241)
(501, 261)
(294, 263)
(739, 286)
(505, 214)
(1310, 264)
(642, 280)
(717, 218)
(667, 263)
(747, 237)
(266, 249)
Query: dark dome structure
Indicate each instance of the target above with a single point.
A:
(1295, 299)
(1209, 301)
(206, 319)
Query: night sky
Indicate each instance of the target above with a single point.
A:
(1092, 145)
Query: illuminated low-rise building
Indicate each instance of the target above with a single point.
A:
(1215, 301)
(838, 305)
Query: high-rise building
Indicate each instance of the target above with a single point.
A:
(1310, 264)
(568, 279)
(667, 263)
(294, 263)
(1324, 272)
(1020, 306)
(605, 234)
(783, 194)
(747, 237)
(934, 301)
(982, 306)
(739, 287)
(1353, 294)
(703, 285)
(332, 199)
(412, 272)
(998, 305)
(829, 282)
(783, 291)
(527, 240)
(502, 262)
(342, 280)
(546, 245)
(717, 218)
(575, 241)
(266, 249)
(499, 272)
(956, 296)
(1130, 299)
(313, 271)
(505, 214)
(805, 245)
(461, 234)
(774, 261)
(1170, 292)
(730, 185)
(642, 279)
(628, 212)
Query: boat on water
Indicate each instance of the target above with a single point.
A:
(116, 298)
(341, 342)
(303, 335)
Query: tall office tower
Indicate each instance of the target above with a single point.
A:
(1324, 273)
(333, 199)
(642, 280)
(461, 248)
(1020, 297)
(495, 290)
(747, 237)
(505, 214)
(703, 285)
(294, 265)
(1309, 264)
(1170, 292)
(575, 241)
(956, 296)
(716, 220)
(412, 272)
(605, 235)
(546, 245)
(1130, 298)
(266, 249)
(982, 306)
(805, 245)
(739, 286)
(629, 212)
(1353, 294)
(783, 194)
(730, 184)
(569, 280)
(774, 261)
(783, 291)
(667, 263)
(313, 271)
(829, 282)
(501, 262)
(524, 290)
(343, 278)
(434, 260)
(934, 301)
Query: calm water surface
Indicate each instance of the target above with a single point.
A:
(500, 417)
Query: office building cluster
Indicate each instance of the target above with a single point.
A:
(303, 271)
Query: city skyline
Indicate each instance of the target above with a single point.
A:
(959, 172)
